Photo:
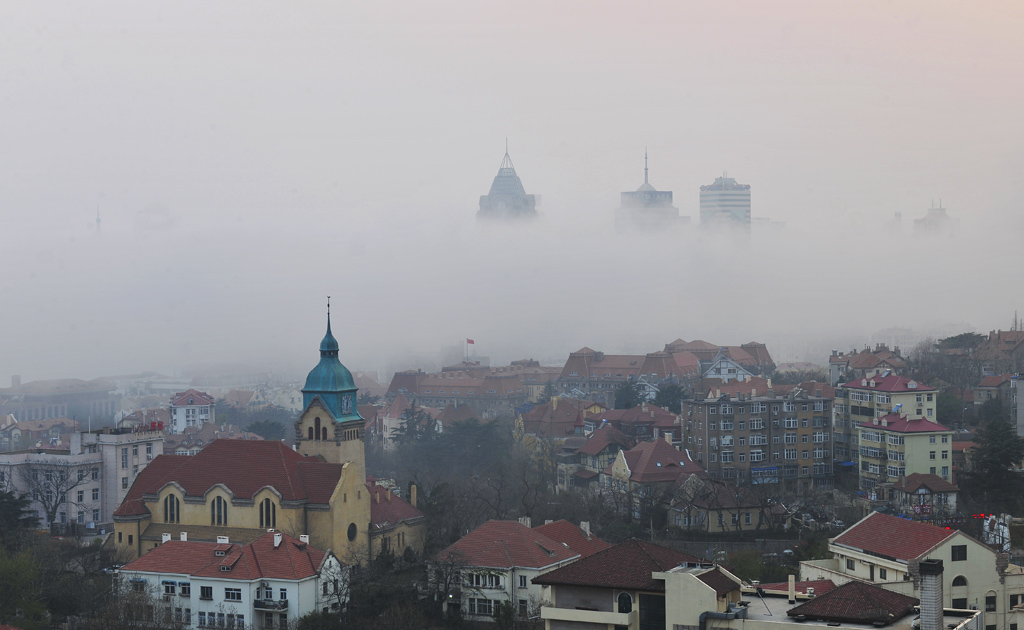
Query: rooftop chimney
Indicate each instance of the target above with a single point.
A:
(183, 536)
(277, 539)
(525, 520)
(792, 589)
(304, 538)
(585, 526)
(165, 537)
(931, 594)
(412, 495)
(222, 540)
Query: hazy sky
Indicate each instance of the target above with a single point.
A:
(250, 158)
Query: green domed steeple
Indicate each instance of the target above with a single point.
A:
(331, 381)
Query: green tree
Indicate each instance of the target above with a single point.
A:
(991, 480)
(949, 410)
(992, 410)
(628, 395)
(366, 398)
(417, 426)
(671, 397)
(268, 429)
(20, 602)
(548, 393)
(16, 519)
(320, 621)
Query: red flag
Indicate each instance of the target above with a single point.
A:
(470, 341)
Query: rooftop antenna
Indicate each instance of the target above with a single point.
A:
(645, 165)
(506, 145)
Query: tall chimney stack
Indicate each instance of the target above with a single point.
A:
(931, 594)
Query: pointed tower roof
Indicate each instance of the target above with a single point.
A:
(330, 380)
(507, 197)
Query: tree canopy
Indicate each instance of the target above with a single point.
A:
(991, 479)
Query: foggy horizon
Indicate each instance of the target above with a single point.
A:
(249, 160)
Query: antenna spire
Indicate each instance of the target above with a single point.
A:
(328, 314)
(645, 165)
(506, 145)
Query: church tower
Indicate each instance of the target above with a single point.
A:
(330, 425)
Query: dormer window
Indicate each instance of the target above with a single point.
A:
(225, 568)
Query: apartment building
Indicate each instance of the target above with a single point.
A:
(896, 445)
(865, 398)
(191, 408)
(763, 436)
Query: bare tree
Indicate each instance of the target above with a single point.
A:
(51, 484)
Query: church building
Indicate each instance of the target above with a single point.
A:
(240, 488)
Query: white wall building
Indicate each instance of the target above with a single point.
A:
(725, 204)
(85, 482)
(269, 583)
(191, 408)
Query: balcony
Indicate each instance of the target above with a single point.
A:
(270, 604)
(589, 616)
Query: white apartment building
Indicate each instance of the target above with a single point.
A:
(725, 204)
(84, 483)
(191, 408)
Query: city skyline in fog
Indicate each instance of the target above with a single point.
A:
(247, 160)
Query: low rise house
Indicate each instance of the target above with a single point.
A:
(701, 504)
(396, 525)
(493, 566)
(995, 388)
(616, 587)
(925, 497)
(581, 466)
(269, 583)
(643, 422)
(890, 551)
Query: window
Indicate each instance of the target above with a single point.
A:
(124, 483)
(945, 454)
(169, 588)
(95, 474)
(960, 603)
(945, 439)
(219, 511)
(959, 553)
(81, 496)
(990, 603)
(124, 458)
(931, 454)
(962, 581)
(268, 514)
(233, 594)
(205, 592)
(202, 618)
(522, 581)
(882, 574)
(95, 494)
(172, 509)
(185, 589)
(850, 565)
(522, 608)
(139, 586)
(284, 594)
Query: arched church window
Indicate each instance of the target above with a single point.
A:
(268, 514)
(172, 511)
(316, 423)
(219, 511)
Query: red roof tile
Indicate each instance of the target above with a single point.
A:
(893, 537)
(719, 581)
(627, 565)
(912, 483)
(602, 437)
(291, 560)
(891, 383)
(658, 461)
(903, 424)
(505, 544)
(856, 602)
(578, 540)
(994, 381)
(181, 399)
(388, 509)
(243, 466)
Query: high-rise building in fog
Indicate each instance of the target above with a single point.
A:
(507, 198)
(725, 204)
(646, 207)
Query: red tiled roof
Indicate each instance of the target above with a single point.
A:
(627, 565)
(388, 509)
(658, 461)
(961, 446)
(915, 481)
(198, 398)
(579, 541)
(856, 602)
(994, 381)
(643, 414)
(602, 437)
(504, 544)
(893, 537)
(719, 581)
(903, 424)
(820, 586)
(891, 383)
(243, 466)
(290, 560)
